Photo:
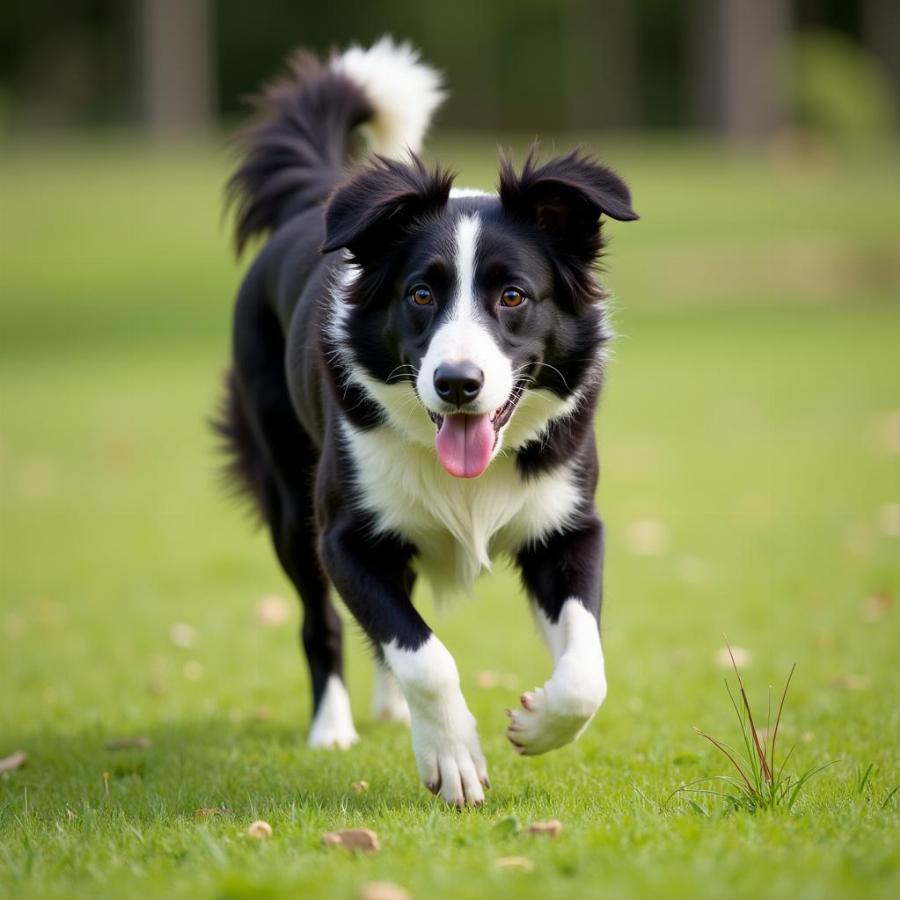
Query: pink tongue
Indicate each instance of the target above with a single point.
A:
(464, 444)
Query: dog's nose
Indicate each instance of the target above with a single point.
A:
(458, 383)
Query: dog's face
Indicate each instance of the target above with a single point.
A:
(473, 319)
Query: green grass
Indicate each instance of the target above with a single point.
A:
(746, 418)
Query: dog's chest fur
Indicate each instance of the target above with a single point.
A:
(457, 525)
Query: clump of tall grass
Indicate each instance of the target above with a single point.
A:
(761, 782)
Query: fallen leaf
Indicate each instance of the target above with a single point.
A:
(13, 762)
(260, 830)
(551, 829)
(515, 862)
(273, 611)
(182, 635)
(359, 787)
(209, 812)
(743, 658)
(139, 742)
(383, 890)
(363, 840)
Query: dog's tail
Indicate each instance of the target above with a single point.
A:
(296, 152)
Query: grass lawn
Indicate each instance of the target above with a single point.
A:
(749, 432)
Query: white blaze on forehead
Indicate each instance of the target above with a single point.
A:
(465, 336)
(467, 231)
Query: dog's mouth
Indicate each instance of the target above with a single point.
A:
(465, 442)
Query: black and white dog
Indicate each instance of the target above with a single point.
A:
(415, 374)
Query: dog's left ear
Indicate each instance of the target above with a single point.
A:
(565, 197)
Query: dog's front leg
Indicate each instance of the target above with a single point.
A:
(563, 576)
(371, 576)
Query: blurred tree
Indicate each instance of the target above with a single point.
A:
(176, 64)
(532, 66)
(735, 46)
(881, 30)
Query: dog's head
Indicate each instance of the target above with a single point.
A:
(472, 319)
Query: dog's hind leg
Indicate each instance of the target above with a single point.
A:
(282, 459)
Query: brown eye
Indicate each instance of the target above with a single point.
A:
(512, 297)
(421, 296)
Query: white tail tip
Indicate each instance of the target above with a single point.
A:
(404, 91)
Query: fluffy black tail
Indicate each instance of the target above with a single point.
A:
(295, 152)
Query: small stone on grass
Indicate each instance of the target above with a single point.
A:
(13, 762)
(551, 829)
(383, 890)
(260, 830)
(362, 840)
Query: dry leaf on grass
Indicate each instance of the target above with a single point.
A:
(359, 787)
(383, 890)
(515, 862)
(362, 840)
(209, 812)
(551, 829)
(260, 830)
(138, 742)
(13, 762)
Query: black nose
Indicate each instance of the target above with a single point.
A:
(458, 383)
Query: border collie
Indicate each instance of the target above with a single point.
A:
(414, 378)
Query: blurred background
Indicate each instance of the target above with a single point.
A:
(750, 431)
(738, 68)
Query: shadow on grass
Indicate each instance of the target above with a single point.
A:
(243, 767)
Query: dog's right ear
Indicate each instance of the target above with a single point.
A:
(378, 206)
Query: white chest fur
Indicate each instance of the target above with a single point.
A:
(458, 525)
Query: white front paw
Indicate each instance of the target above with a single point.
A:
(448, 755)
(557, 713)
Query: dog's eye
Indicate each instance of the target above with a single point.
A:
(512, 297)
(421, 296)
